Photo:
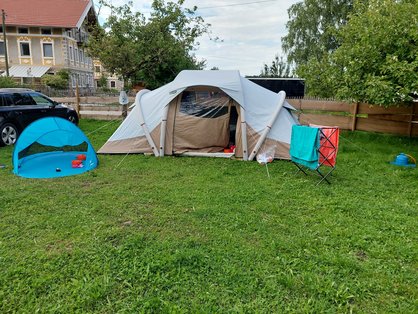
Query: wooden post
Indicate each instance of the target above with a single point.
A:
(77, 99)
(354, 120)
(411, 119)
(123, 101)
(300, 108)
(6, 58)
(124, 111)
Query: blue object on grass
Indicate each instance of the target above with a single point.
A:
(47, 147)
(304, 146)
(403, 161)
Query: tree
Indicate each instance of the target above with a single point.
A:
(378, 59)
(278, 68)
(102, 81)
(312, 29)
(152, 50)
(312, 38)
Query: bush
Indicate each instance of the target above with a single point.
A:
(54, 81)
(65, 74)
(7, 82)
(107, 90)
(102, 82)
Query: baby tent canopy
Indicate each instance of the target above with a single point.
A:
(49, 148)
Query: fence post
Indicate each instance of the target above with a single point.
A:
(77, 99)
(124, 111)
(411, 119)
(354, 120)
(300, 108)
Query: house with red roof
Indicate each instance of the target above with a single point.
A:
(44, 36)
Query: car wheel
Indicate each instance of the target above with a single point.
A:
(73, 118)
(8, 134)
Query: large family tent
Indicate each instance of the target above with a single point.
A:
(202, 113)
(50, 147)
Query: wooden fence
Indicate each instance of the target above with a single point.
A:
(96, 107)
(347, 116)
(400, 120)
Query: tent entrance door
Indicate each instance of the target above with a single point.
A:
(201, 122)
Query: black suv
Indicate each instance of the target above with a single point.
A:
(19, 107)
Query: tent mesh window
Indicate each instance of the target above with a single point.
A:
(37, 148)
(204, 104)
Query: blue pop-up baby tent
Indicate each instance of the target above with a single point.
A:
(48, 147)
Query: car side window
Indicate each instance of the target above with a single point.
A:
(6, 100)
(22, 100)
(41, 100)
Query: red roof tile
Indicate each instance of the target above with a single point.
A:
(50, 13)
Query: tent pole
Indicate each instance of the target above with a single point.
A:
(163, 130)
(263, 136)
(244, 134)
(144, 126)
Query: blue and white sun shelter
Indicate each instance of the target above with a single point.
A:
(48, 147)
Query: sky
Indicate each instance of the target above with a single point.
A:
(250, 31)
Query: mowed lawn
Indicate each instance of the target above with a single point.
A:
(186, 235)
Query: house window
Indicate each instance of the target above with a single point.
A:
(48, 52)
(71, 53)
(23, 30)
(2, 48)
(76, 54)
(24, 49)
(97, 68)
(46, 31)
(112, 84)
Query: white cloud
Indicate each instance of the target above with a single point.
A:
(251, 32)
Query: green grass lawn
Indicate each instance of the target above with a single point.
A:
(179, 234)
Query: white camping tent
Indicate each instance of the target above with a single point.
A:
(202, 112)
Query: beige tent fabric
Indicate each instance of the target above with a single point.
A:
(168, 147)
(206, 135)
(134, 145)
(281, 150)
(238, 134)
(201, 134)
